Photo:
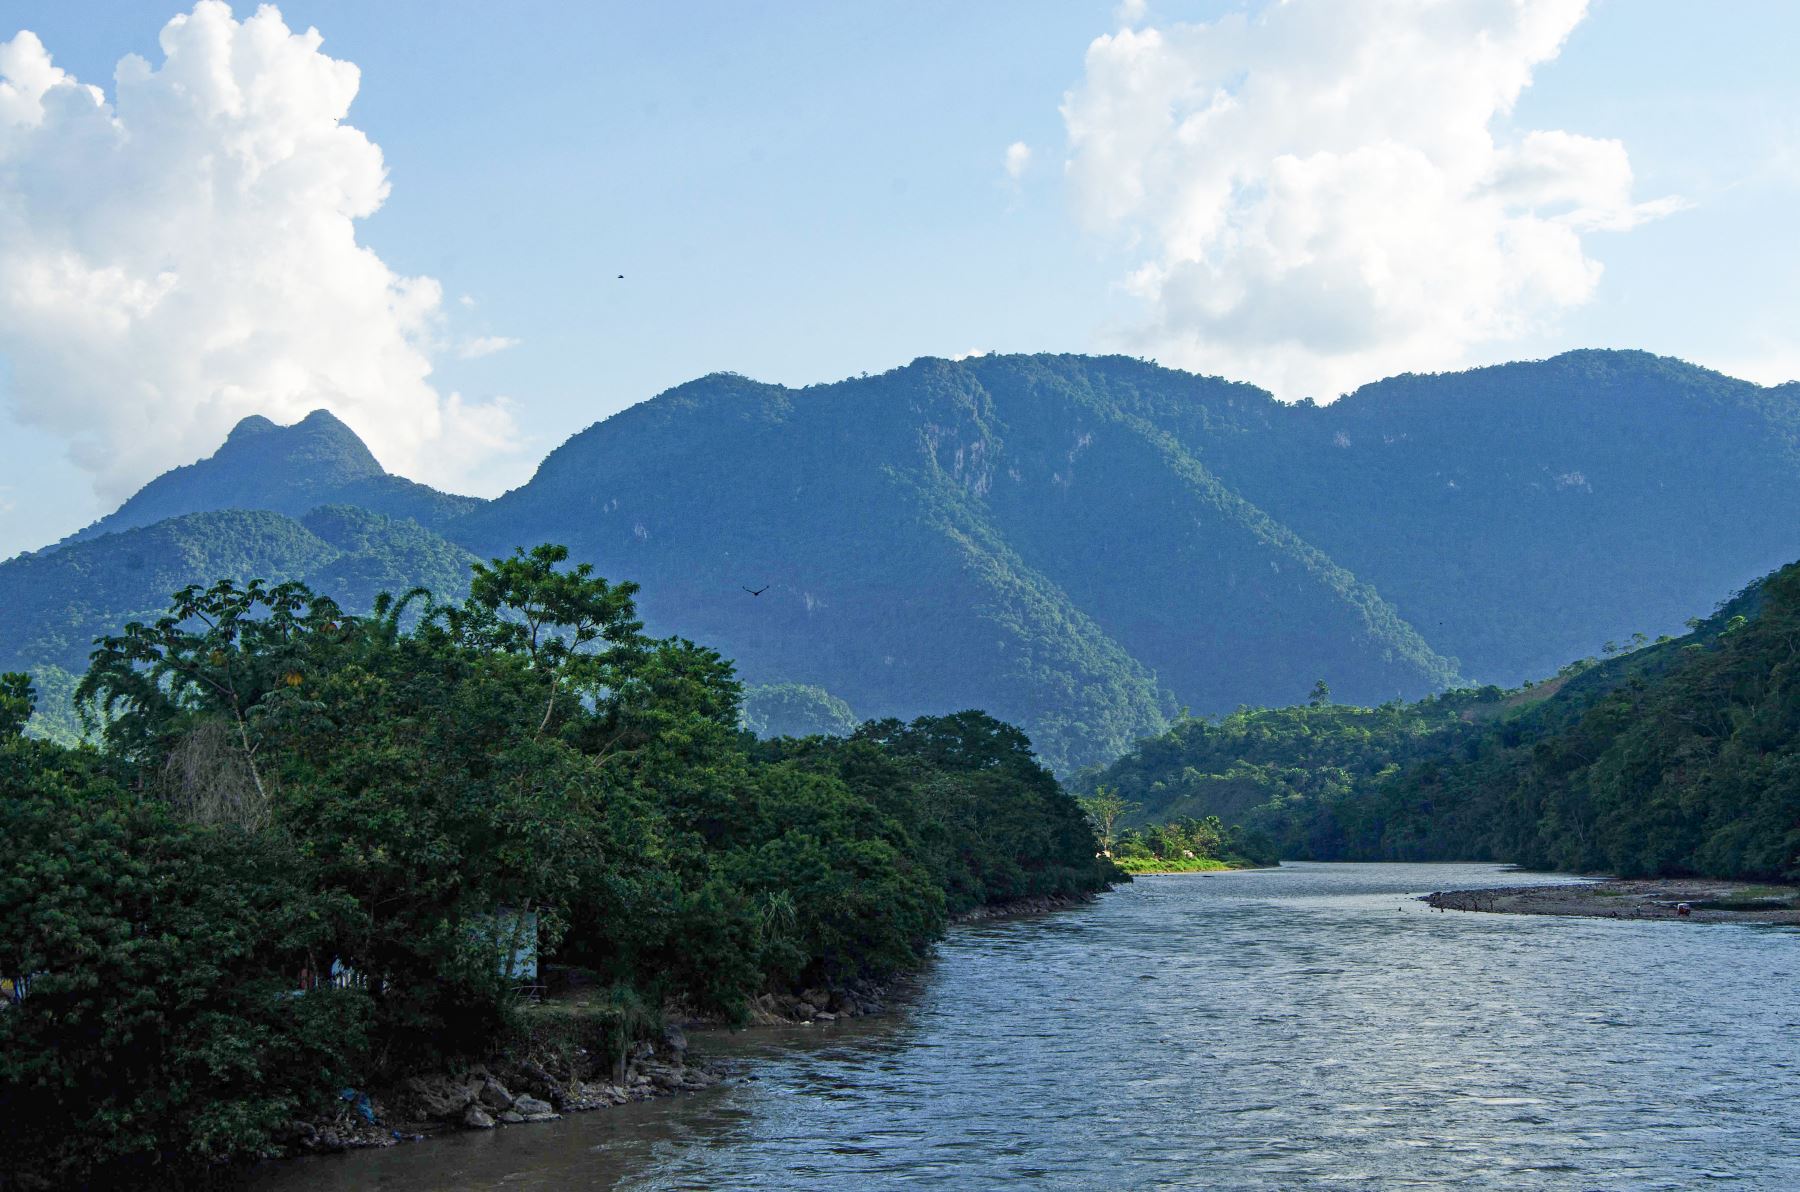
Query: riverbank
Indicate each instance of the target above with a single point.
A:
(1708, 900)
(538, 1084)
(564, 1068)
(1644, 1046)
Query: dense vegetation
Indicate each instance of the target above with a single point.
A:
(1178, 846)
(59, 601)
(1082, 546)
(796, 710)
(282, 790)
(1675, 757)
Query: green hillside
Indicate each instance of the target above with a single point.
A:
(59, 601)
(989, 534)
(1679, 757)
(1085, 546)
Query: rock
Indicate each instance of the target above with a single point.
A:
(531, 1107)
(826, 1016)
(442, 1097)
(804, 1010)
(675, 1039)
(512, 1117)
(494, 1095)
(477, 1118)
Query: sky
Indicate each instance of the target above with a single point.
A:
(472, 230)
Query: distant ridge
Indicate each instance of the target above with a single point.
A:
(1086, 545)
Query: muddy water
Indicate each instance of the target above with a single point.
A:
(1307, 1027)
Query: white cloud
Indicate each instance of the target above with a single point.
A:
(1018, 158)
(1130, 12)
(1321, 193)
(186, 255)
(485, 345)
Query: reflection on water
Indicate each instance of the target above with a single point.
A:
(1307, 1027)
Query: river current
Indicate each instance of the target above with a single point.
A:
(1308, 1027)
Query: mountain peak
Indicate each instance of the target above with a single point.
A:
(255, 424)
(283, 469)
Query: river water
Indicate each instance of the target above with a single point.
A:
(1312, 1026)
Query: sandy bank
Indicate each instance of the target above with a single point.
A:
(1709, 900)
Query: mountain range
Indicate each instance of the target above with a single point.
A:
(1083, 545)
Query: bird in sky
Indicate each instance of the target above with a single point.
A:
(757, 591)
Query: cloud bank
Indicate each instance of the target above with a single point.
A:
(186, 255)
(1316, 194)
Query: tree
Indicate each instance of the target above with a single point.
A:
(1321, 694)
(219, 653)
(17, 700)
(1104, 808)
(524, 605)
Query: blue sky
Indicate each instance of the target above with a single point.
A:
(802, 192)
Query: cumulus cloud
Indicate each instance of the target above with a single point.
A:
(1317, 194)
(185, 254)
(1018, 158)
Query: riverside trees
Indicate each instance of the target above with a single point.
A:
(282, 791)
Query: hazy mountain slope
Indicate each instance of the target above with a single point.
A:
(1522, 515)
(882, 587)
(1679, 757)
(58, 601)
(1078, 544)
(285, 469)
(1227, 604)
(925, 549)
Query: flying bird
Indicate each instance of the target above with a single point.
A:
(757, 591)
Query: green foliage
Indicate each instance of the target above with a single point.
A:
(161, 959)
(796, 710)
(1104, 808)
(59, 601)
(17, 700)
(1191, 845)
(1672, 757)
(283, 789)
(1079, 545)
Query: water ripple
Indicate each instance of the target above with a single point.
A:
(1307, 1027)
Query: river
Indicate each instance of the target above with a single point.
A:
(1312, 1026)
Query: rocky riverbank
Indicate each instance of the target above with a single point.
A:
(504, 1093)
(545, 1086)
(1039, 904)
(1706, 900)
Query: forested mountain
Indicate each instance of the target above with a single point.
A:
(286, 469)
(57, 602)
(1678, 757)
(1087, 545)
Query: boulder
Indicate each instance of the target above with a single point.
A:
(494, 1095)
(675, 1039)
(477, 1118)
(533, 1109)
(442, 1097)
(512, 1117)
